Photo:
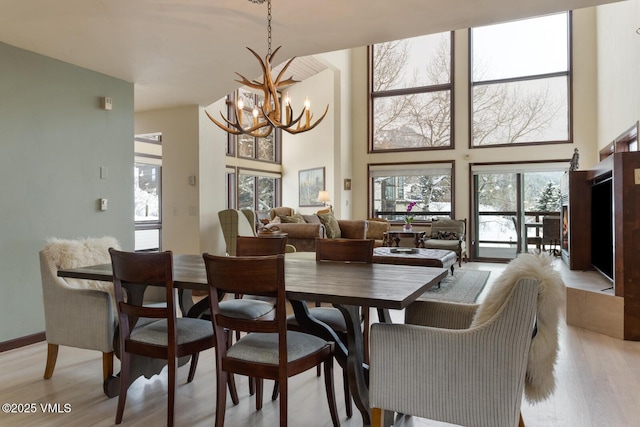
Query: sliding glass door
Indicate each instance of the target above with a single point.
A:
(509, 207)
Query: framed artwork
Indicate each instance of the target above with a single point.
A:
(310, 183)
(347, 184)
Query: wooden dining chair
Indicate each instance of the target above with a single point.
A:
(257, 246)
(249, 306)
(340, 250)
(268, 350)
(168, 337)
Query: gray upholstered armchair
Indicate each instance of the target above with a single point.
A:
(469, 364)
(448, 234)
(78, 313)
(236, 223)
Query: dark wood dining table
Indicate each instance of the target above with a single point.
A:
(348, 286)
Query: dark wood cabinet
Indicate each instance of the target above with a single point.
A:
(576, 220)
(587, 230)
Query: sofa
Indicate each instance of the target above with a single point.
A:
(303, 230)
(448, 234)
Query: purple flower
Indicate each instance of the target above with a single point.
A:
(411, 205)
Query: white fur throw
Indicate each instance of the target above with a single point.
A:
(65, 254)
(543, 352)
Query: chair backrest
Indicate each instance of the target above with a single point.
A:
(260, 246)
(236, 223)
(56, 291)
(449, 225)
(132, 273)
(376, 228)
(261, 276)
(61, 254)
(540, 380)
(551, 229)
(280, 210)
(345, 250)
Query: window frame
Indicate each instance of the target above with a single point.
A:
(233, 141)
(411, 91)
(446, 164)
(156, 161)
(257, 173)
(525, 78)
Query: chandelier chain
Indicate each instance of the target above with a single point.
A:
(269, 27)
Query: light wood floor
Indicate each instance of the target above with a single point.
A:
(598, 384)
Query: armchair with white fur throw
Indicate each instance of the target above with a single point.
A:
(448, 234)
(469, 364)
(78, 313)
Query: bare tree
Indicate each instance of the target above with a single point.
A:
(503, 113)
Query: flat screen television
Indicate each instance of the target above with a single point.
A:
(602, 225)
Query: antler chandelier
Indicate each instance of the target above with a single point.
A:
(270, 114)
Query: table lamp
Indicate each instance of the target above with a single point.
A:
(323, 196)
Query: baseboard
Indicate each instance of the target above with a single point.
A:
(22, 341)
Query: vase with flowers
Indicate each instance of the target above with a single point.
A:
(408, 219)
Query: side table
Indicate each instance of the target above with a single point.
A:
(392, 238)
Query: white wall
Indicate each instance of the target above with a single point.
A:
(316, 148)
(190, 146)
(618, 87)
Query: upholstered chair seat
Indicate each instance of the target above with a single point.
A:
(328, 315)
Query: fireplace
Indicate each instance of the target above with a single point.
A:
(564, 220)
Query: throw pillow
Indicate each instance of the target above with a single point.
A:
(312, 219)
(446, 235)
(331, 225)
(293, 219)
(324, 211)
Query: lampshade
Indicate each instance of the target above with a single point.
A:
(323, 196)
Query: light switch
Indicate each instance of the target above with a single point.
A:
(106, 103)
(104, 204)
(636, 175)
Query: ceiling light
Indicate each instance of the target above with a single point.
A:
(270, 115)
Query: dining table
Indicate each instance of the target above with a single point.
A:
(347, 286)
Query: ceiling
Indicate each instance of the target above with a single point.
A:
(181, 52)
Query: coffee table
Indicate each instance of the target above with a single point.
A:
(392, 237)
(415, 256)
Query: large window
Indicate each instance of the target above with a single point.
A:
(521, 79)
(411, 93)
(395, 186)
(266, 149)
(258, 190)
(148, 192)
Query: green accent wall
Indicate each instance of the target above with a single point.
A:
(54, 140)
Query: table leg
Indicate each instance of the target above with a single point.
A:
(317, 328)
(357, 371)
(350, 355)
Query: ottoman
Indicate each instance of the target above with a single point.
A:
(415, 256)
